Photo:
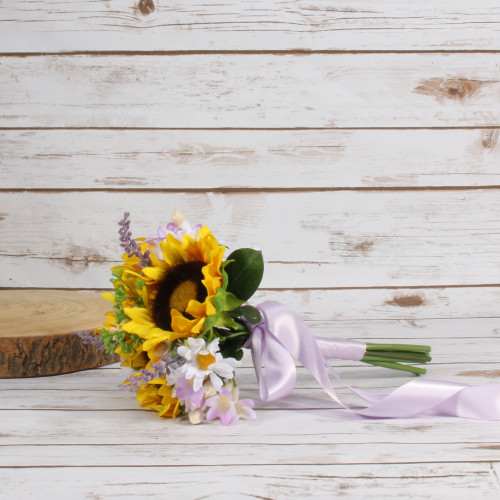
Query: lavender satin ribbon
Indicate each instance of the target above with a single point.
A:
(282, 336)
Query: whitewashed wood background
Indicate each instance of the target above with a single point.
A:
(354, 142)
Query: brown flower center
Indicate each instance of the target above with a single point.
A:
(180, 284)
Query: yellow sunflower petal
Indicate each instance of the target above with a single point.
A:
(203, 232)
(139, 314)
(173, 251)
(148, 396)
(155, 273)
(210, 308)
(155, 261)
(145, 296)
(138, 329)
(108, 296)
(137, 360)
(155, 339)
(170, 404)
(184, 327)
(193, 248)
(196, 309)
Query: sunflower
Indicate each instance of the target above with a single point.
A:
(158, 396)
(180, 285)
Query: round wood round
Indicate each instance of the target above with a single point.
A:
(37, 332)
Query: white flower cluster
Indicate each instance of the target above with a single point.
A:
(204, 381)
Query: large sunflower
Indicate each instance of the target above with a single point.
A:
(168, 299)
(181, 284)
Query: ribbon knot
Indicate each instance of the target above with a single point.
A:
(282, 336)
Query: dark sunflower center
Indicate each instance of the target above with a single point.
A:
(179, 285)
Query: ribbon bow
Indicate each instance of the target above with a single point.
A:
(282, 336)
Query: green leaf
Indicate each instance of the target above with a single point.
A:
(244, 272)
(219, 299)
(231, 347)
(224, 276)
(210, 322)
(250, 313)
(232, 302)
(225, 320)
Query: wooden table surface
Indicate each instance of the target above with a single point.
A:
(77, 433)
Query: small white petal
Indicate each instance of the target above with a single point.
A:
(216, 381)
(213, 347)
(197, 383)
(185, 352)
(196, 344)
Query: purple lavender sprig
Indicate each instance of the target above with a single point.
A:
(173, 362)
(129, 244)
(88, 337)
(156, 370)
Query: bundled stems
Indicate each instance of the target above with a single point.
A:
(394, 355)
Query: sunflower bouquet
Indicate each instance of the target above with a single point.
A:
(180, 319)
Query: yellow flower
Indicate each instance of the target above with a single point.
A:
(182, 283)
(137, 360)
(157, 396)
(178, 292)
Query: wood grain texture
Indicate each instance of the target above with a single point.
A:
(37, 332)
(306, 396)
(355, 143)
(247, 159)
(278, 422)
(306, 449)
(300, 454)
(190, 25)
(265, 481)
(329, 239)
(288, 91)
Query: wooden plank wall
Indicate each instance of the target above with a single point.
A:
(354, 142)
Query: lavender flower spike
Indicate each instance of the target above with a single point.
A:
(89, 338)
(156, 370)
(129, 244)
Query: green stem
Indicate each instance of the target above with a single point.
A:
(129, 287)
(239, 334)
(397, 347)
(396, 366)
(401, 356)
(386, 360)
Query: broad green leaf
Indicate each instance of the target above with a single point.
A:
(244, 272)
(210, 322)
(250, 313)
(219, 299)
(232, 302)
(224, 319)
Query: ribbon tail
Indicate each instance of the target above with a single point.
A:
(282, 336)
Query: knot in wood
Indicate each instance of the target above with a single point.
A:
(458, 89)
(146, 7)
(450, 88)
(490, 138)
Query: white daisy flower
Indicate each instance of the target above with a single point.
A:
(204, 360)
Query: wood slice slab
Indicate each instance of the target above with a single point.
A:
(36, 332)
